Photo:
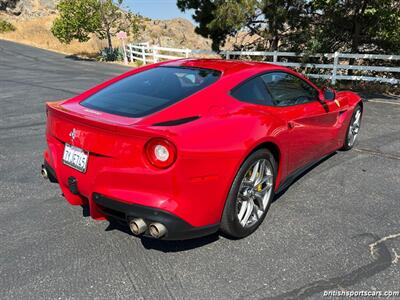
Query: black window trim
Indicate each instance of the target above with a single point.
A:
(269, 72)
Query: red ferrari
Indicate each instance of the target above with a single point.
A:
(185, 148)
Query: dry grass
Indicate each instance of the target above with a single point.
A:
(36, 32)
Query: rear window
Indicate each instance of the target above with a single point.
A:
(149, 91)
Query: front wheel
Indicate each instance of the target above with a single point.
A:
(353, 129)
(250, 195)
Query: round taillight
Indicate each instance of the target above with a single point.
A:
(160, 152)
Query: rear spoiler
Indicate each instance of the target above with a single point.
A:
(98, 121)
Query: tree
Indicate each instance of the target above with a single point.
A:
(272, 23)
(79, 19)
(301, 25)
(203, 15)
(357, 25)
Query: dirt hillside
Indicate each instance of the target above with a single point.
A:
(33, 20)
(28, 8)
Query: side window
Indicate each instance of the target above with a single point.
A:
(252, 91)
(287, 89)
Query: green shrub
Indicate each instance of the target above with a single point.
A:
(138, 63)
(110, 54)
(6, 26)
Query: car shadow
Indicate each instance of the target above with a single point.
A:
(79, 57)
(185, 245)
(178, 246)
(163, 245)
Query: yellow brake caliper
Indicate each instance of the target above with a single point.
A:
(259, 186)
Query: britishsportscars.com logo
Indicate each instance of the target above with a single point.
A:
(340, 293)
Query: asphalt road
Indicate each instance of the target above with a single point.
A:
(317, 235)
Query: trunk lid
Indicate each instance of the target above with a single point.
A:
(98, 133)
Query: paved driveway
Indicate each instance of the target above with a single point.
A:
(317, 235)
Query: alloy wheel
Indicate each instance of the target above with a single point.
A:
(254, 193)
(354, 128)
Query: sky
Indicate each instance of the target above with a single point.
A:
(157, 9)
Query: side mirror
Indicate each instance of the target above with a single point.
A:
(327, 94)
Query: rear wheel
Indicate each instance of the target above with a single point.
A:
(250, 195)
(353, 129)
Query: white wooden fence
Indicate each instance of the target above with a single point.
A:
(331, 66)
(154, 54)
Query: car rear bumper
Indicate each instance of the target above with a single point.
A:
(177, 229)
(109, 207)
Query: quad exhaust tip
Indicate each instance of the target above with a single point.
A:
(137, 226)
(44, 173)
(157, 230)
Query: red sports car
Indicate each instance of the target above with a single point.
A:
(185, 148)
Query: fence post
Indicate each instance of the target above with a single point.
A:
(130, 52)
(227, 55)
(124, 51)
(275, 56)
(144, 55)
(187, 51)
(335, 64)
(155, 54)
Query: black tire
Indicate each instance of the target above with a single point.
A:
(347, 145)
(230, 224)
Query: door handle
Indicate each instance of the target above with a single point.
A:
(290, 124)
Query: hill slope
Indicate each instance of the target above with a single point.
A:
(33, 20)
(28, 8)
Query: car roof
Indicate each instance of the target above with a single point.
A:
(225, 66)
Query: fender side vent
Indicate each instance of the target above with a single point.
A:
(177, 122)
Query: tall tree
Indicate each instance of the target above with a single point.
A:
(357, 25)
(203, 15)
(272, 23)
(79, 19)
